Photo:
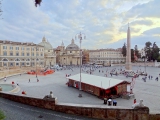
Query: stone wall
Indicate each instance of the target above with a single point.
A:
(11, 72)
(94, 111)
(37, 102)
(104, 112)
(154, 117)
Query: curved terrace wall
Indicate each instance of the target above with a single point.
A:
(93, 111)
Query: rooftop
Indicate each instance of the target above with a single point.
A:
(98, 81)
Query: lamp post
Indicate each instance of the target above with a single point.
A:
(81, 36)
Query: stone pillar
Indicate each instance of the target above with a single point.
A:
(128, 57)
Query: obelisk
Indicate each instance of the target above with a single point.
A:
(128, 56)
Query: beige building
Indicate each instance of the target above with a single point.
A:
(49, 53)
(106, 56)
(17, 54)
(68, 56)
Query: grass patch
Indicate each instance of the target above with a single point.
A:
(1, 115)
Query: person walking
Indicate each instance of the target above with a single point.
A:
(5, 79)
(28, 80)
(156, 78)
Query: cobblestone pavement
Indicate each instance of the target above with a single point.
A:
(148, 91)
(18, 111)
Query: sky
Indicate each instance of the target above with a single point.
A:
(103, 22)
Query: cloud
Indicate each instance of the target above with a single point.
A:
(104, 22)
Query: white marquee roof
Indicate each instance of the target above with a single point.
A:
(98, 81)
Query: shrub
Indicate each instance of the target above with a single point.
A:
(1, 115)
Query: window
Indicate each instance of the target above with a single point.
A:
(4, 64)
(5, 53)
(17, 48)
(17, 64)
(11, 53)
(11, 47)
(22, 54)
(37, 49)
(17, 54)
(22, 64)
(5, 59)
(27, 54)
(28, 60)
(41, 54)
(32, 54)
(28, 48)
(11, 64)
(4, 47)
(32, 63)
(22, 48)
(27, 63)
(70, 51)
(37, 54)
(17, 59)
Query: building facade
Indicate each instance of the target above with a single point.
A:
(106, 56)
(69, 55)
(17, 54)
(49, 53)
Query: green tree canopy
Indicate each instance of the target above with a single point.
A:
(2, 116)
(132, 55)
(124, 49)
(155, 52)
(0, 8)
(136, 51)
(38, 2)
(148, 50)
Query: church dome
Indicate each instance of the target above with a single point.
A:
(46, 44)
(72, 46)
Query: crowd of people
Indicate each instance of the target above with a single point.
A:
(109, 71)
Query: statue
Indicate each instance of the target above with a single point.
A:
(137, 105)
(49, 96)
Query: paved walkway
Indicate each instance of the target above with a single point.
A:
(148, 91)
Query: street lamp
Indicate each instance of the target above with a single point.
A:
(81, 36)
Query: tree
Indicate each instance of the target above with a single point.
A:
(1, 115)
(38, 2)
(124, 49)
(158, 59)
(0, 8)
(155, 52)
(148, 50)
(132, 55)
(136, 52)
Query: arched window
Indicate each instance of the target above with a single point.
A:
(28, 59)
(4, 59)
(17, 59)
